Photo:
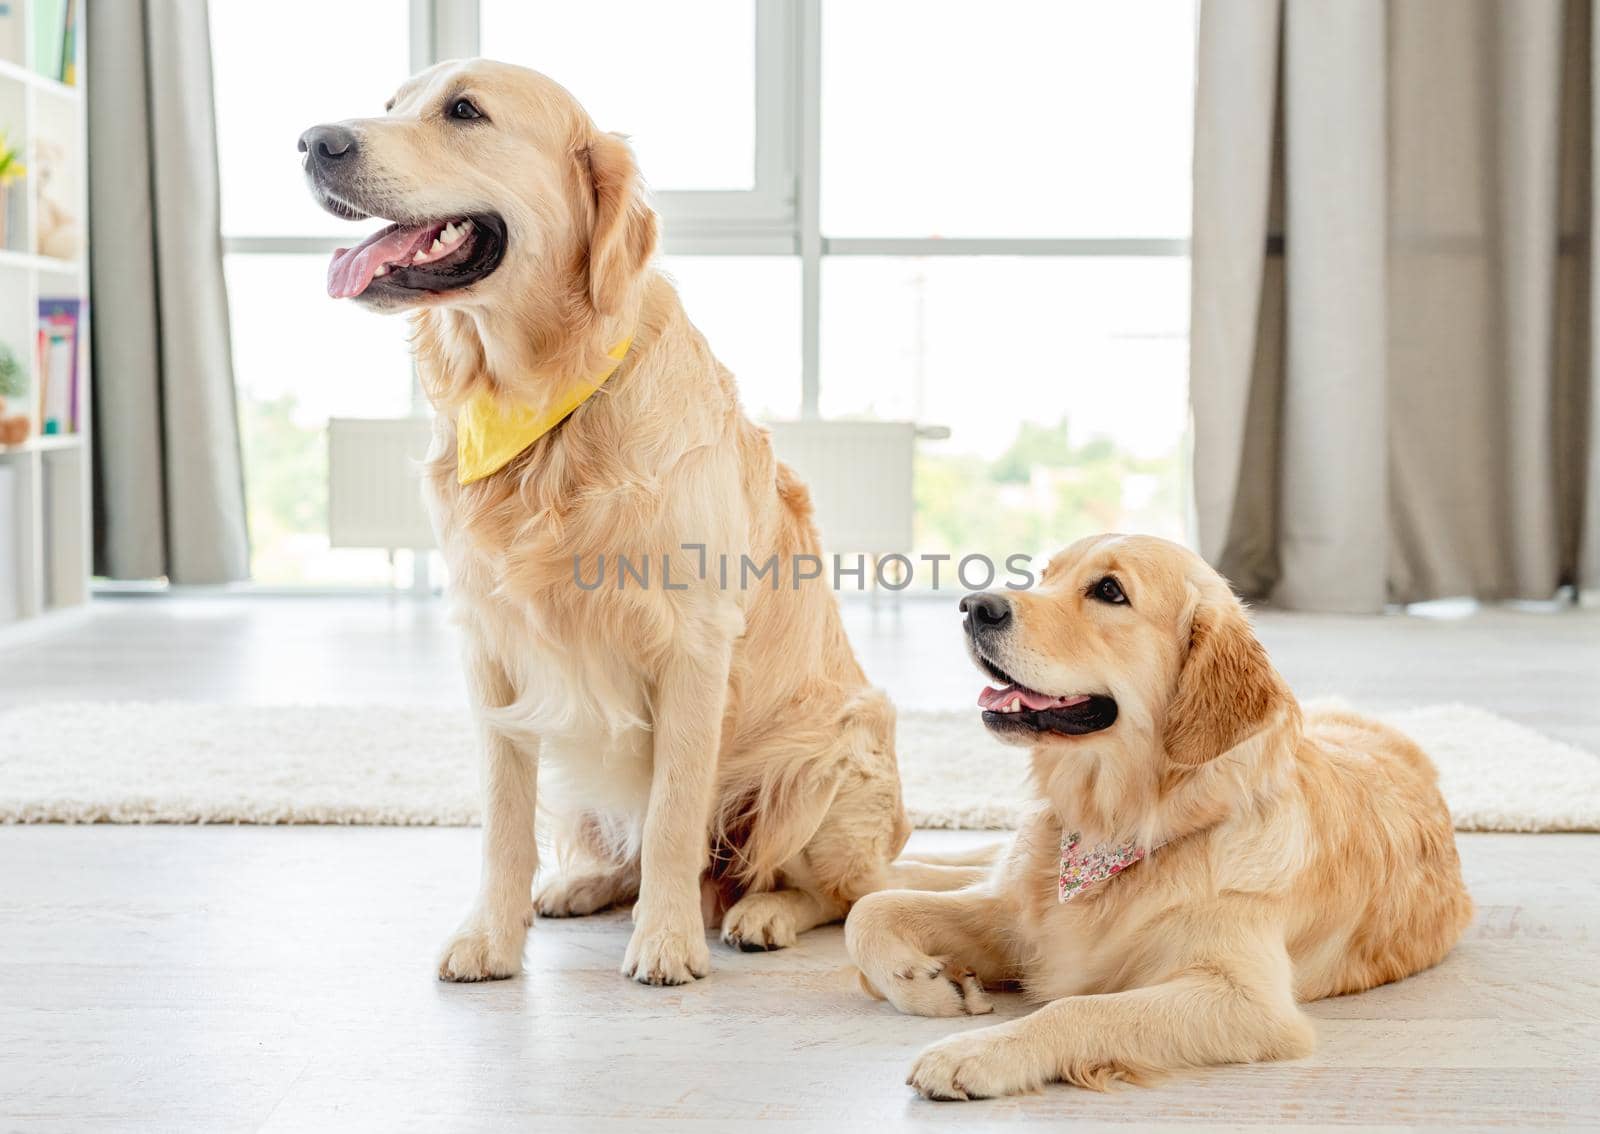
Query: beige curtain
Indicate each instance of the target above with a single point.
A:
(1393, 389)
(169, 495)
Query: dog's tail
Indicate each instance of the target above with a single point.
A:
(985, 855)
(955, 870)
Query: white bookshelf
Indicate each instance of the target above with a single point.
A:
(45, 481)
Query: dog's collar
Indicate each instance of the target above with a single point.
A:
(488, 436)
(1084, 867)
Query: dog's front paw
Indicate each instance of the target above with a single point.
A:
(760, 921)
(667, 950)
(936, 986)
(483, 951)
(983, 1064)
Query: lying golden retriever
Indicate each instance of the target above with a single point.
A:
(678, 723)
(1202, 855)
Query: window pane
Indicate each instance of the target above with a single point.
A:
(347, 361)
(1064, 383)
(300, 357)
(748, 308)
(1035, 118)
(678, 79)
(279, 68)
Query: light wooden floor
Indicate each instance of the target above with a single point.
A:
(247, 978)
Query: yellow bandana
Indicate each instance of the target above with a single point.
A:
(487, 437)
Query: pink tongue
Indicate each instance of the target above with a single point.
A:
(352, 269)
(996, 699)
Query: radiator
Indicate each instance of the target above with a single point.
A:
(859, 474)
(374, 482)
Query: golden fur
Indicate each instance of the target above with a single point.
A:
(665, 734)
(1301, 855)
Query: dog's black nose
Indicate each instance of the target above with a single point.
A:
(986, 611)
(328, 143)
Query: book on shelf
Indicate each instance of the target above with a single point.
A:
(58, 365)
(69, 45)
(55, 39)
(12, 49)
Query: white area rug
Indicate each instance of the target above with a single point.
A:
(171, 762)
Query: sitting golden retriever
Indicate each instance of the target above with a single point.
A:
(678, 721)
(1202, 856)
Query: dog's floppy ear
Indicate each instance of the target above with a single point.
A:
(1226, 688)
(624, 235)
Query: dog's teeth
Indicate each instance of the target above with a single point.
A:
(466, 226)
(418, 258)
(383, 270)
(450, 231)
(438, 246)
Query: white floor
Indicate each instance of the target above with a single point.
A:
(247, 978)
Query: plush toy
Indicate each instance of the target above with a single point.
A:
(55, 227)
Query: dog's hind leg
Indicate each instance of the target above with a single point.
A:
(580, 893)
(826, 826)
(599, 868)
(774, 919)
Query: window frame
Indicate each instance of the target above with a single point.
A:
(781, 214)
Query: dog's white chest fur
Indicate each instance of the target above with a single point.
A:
(583, 700)
(544, 597)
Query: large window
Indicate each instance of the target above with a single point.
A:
(1061, 380)
(697, 128)
(299, 357)
(1022, 118)
(909, 209)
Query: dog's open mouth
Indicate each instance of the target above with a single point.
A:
(1012, 707)
(438, 256)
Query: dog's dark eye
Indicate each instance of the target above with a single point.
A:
(463, 109)
(1109, 590)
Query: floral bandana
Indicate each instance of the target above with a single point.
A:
(1081, 869)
